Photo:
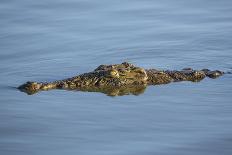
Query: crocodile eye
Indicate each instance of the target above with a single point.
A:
(114, 73)
(123, 71)
(139, 70)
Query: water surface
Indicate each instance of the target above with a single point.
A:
(49, 40)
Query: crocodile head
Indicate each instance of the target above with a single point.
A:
(120, 74)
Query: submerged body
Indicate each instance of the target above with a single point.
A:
(120, 79)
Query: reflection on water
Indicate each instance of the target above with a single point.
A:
(116, 91)
(110, 91)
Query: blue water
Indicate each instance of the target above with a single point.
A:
(48, 40)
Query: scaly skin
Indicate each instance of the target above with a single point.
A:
(120, 79)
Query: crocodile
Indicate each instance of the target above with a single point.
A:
(120, 79)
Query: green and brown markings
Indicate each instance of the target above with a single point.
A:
(120, 79)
